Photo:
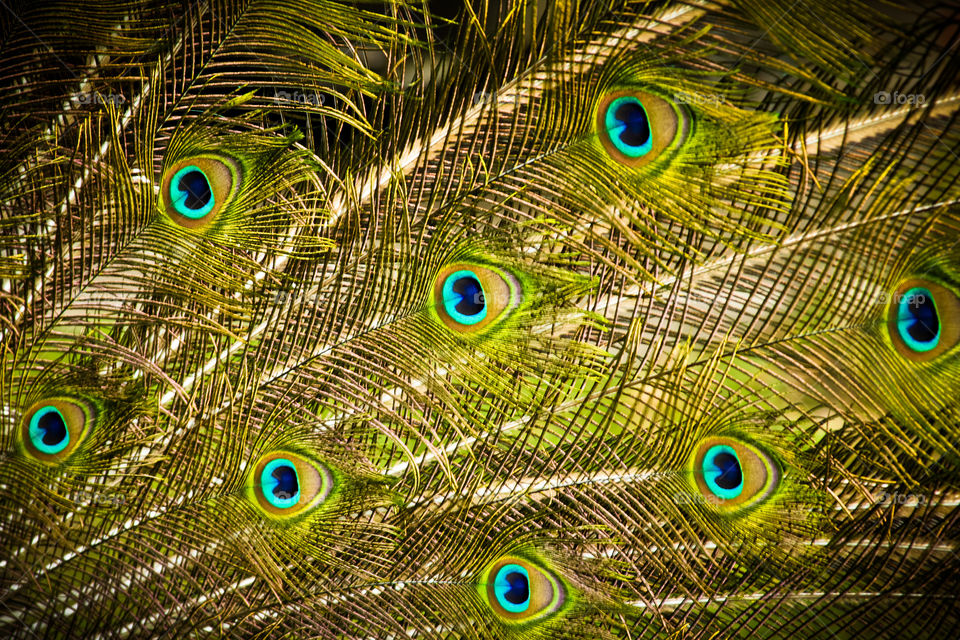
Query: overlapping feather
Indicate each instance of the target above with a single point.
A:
(734, 289)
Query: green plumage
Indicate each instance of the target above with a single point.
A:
(529, 320)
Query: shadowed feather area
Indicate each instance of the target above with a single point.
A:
(562, 320)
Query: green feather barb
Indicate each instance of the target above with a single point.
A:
(525, 320)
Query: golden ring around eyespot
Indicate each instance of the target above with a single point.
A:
(759, 473)
(223, 175)
(948, 313)
(77, 418)
(314, 480)
(501, 292)
(664, 121)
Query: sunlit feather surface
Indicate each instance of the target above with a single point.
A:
(578, 320)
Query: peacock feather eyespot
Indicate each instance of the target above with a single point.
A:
(470, 298)
(195, 190)
(280, 483)
(190, 192)
(53, 428)
(636, 127)
(286, 483)
(923, 319)
(518, 591)
(731, 474)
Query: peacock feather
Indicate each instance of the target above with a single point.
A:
(595, 319)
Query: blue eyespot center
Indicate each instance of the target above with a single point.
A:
(463, 297)
(722, 472)
(512, 588)
(280, 483)
(628, 126)
(190, 192)
(48, 431)
(917, 319)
